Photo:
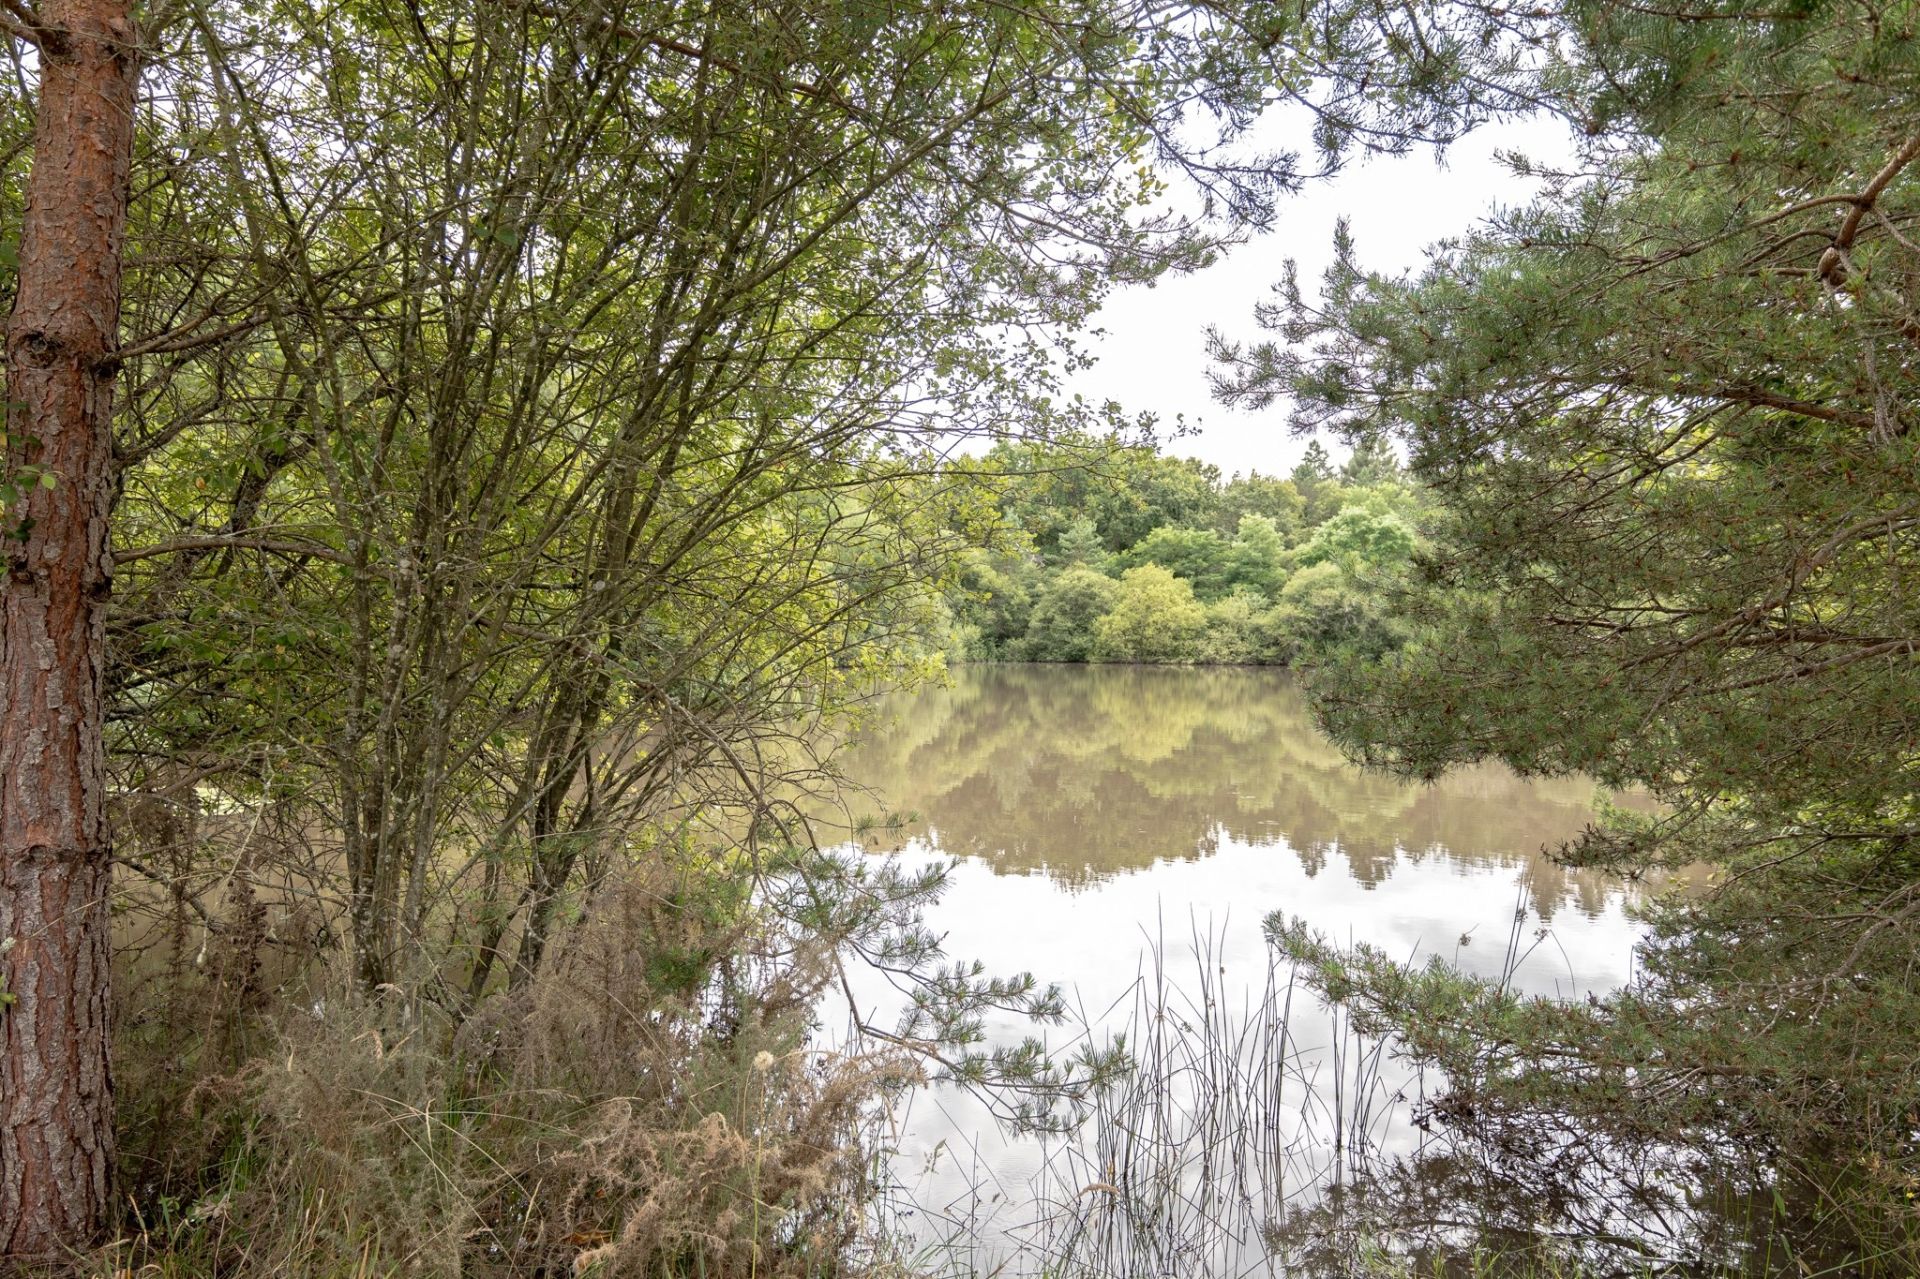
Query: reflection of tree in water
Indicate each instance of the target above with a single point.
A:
(1552, 1201)
(1095, 771)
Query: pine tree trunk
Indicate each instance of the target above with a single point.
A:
(56, 1089)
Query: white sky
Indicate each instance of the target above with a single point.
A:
(1154, 358)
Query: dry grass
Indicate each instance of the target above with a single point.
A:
(619, 1115)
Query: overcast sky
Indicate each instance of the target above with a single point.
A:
(1154, 358)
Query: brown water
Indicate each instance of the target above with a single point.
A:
(1102, 816)
(1084, 773)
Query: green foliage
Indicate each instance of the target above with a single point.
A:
(1064, 617)
(1154, 618)
(1068, 511)
(1080, 544)
(1667, 411)
(1371, 462)
(1326, 612)
(1314, 468)
(1359, 540)
(1272, 499)
(1257, 560)
(1157, 491)
(996, 599)
(1315, 479)
(1045, 487)
(1198, 556)
(1245, 629)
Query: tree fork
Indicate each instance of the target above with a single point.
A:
(56, 1084)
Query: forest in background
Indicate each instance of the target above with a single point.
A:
(1114, 553)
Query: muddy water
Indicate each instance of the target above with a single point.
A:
(1103, 816)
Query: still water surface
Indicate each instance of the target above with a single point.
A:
(1099, 814)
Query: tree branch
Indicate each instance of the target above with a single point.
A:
(1832, 263)
(185, 338)
(20, 21)
(215, 543)
(1768, 400)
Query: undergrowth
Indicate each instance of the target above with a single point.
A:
(613, 1115)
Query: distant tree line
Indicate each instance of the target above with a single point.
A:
(1092, 552)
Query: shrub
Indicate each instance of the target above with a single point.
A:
(1324, 610)
(609, 1115)
(1155, 618)
(1243, 629)
(1064, 617)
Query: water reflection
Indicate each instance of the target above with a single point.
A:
(1082, 773)
(1124, 831)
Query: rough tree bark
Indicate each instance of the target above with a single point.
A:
(56, 1087)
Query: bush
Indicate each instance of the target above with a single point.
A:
(1324, 610)
(1244, 630)
(1064, 617)
(1155, 618)
(641, 1107)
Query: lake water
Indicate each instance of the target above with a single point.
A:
(1125, 831)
